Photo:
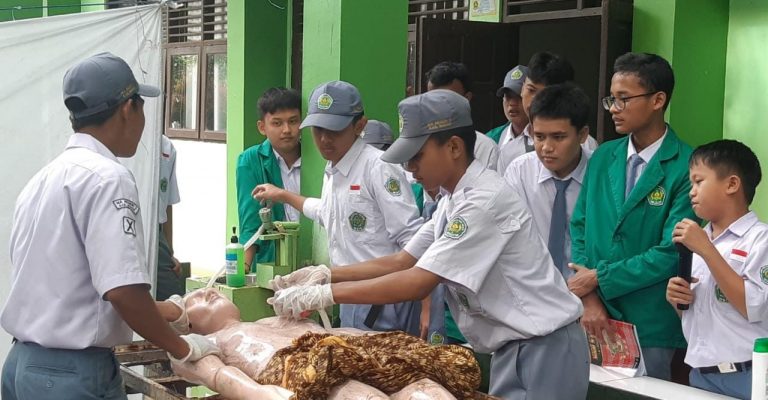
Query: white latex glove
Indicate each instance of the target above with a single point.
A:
(181, 325)
(199, 347)
(294, 301)
(310, 275)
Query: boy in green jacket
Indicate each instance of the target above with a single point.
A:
(634, 192)
(276, 160)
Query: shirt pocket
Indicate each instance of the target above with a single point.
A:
(362, 218)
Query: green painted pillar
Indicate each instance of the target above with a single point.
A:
(363, 42)
(61, 7)
(692, 35)
(256, 60)
(747, 84)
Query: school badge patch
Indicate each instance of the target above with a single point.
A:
(393, 187)
(357, 221)
(516, 74)
(163, 185)
(719, 295)
(325, 101)
(456, 228)
(436, 338)
(657, 197)
(764, 274)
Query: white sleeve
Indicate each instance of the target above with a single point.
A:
(421, 241)
(394, 197)
(470, 245)
(114, 237)
(173, 187)
(756, 280)
(312, 209)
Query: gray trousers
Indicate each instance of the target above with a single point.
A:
(33, 372)
(551, 367)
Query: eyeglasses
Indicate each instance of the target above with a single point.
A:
(620, 102)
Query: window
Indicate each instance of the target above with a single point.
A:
(196, 70)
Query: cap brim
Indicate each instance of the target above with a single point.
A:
(148, 91)
(327, 121)
(503, 90)
(404, 149)
(500, 91)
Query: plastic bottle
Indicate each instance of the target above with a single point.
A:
(234, 266)
(760, 369)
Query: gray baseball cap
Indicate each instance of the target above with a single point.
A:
(377, 133)
(101, 82)
(333, 105)
(514, 80)
(436, 111)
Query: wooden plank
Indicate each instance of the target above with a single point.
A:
(140, 384)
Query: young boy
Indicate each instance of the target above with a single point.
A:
(512, 105)
(635, 190)
(366, 206)
(277, 160)
(549, 179)
(544, 69)
(728, 298)
(455, 76)
(505, 293)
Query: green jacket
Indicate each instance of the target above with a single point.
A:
(496, 132)
(257, 165)
(630, 242)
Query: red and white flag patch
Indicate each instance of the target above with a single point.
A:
(738, 255)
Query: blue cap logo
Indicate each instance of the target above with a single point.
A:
(325, 101)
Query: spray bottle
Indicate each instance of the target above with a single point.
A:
(759, 369)
(234, 265)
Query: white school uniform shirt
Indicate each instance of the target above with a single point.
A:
(646, 154)
(77, 234)
(716, 332)
(535, 185)
(367, 207)
(502, 283)
(511, 147)
(486, 151)
(291, 177)
(169, 188)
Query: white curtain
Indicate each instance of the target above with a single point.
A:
(34, 124)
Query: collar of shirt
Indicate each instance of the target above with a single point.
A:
(470, 176)
(345, 164)
(577, 174)
(738, 227)
(284, 165)
(647, 153)
(89, 142)
(507, 136)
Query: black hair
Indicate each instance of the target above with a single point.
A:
(466, 134)
(75, 104)
(562, 101)
(549, 69)
(654, 72)
(731, 157)
(446, 72)
(278, 98)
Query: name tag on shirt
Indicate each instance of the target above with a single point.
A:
(354, 190)
(738, 255)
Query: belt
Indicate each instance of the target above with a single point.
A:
(726, 368)
(91, 349)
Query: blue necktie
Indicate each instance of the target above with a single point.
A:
(634, 164)
(558, 225)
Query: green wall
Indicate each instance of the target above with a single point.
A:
(344, 41)
(10, 15)
(692, 36)
(746, 85)
(256, 60)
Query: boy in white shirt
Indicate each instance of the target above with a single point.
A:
(729, 290)
(549, 179)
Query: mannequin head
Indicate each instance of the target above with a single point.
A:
(209, 311)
